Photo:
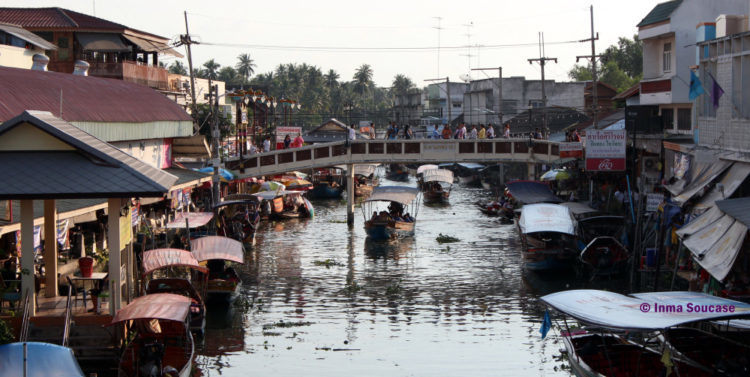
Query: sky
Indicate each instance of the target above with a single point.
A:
(394, 37)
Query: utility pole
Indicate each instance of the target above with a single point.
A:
(439, 28)
(448, 93)
(187, 41)
(542, 60)
(468, 43)
(593, 57)
(215, 135)
(499, 86)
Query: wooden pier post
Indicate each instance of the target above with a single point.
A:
(350, 194)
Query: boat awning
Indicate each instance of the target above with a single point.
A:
(163, 306)
(364, 170)
(101, 42)
(470, 165)
(399, 194)
(700, 175)
(423, 168)
(438, 175)
(27, 36)
(194, 220)
(615, 311)
(162, 258)
(578, 208)
(152, 45)
(546, 218)
(730, 181)
(217, 247)
(529, 192)
(268, 195)
(43, 360)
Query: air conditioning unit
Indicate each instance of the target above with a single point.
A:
(650, 164)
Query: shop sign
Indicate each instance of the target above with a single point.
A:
(571, 149)
(605, 150)
(653, 201)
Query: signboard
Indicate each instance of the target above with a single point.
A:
(281, 133)
(126, 230)
(438, 147)
(605, 150)
(571, 149)
(653, 201)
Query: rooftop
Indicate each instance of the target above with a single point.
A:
(661, 12)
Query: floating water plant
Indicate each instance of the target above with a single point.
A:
(444, 238)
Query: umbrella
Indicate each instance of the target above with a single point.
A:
(224, 173)
(556, 175)
(297, 184)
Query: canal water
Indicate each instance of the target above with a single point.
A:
(319, 300)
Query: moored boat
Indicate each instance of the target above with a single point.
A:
(397, 172)
(161, 342)
(364, 180)
(421, 170)
(239, 217)
(284, 205)
(327, 184)
(37, 359)
(547, 233)
(396, 222)
(223, 281)
(432, 186)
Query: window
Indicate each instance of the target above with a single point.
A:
(667, 61)
(667, 117)
(684, 121)
(536, 104)
(457, 105)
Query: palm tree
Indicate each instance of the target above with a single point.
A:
(178, 68)
(401, 85)
(212, 69)
(331, 78)
(363, 80)
(245, 66)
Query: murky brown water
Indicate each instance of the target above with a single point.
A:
(408, 308)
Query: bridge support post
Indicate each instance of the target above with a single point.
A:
(531, 170)
(350, 194)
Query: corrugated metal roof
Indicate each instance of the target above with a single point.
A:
(84, 98)
(27, 36)
(738, 208)
(55, 18)
(96, 169)
(661, 12)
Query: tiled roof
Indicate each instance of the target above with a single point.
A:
(55, 18)
(95, 170)
(84, 98)
(661, 12)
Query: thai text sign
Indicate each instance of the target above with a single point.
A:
(281, 133)
(571, 149)
(605, 150)
(653, 201)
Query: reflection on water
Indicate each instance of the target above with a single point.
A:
(320, 299)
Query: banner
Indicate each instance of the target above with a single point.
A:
(571, 149)
(62, 233)
(126, 230)
(281, 133)
(6, 210)
(605, 150)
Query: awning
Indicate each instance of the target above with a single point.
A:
(399, 194)
(217, 247)
(161, 258)
(101, 42)
(616, 311)
(187, 178)
(578, 208)
(27, 36)
(719, 259)
(44, 360)
(546, 218)
(150, 45)
(700, 176)
(364, 170)
(164, 306)
(438, 175)
(423, 168)
(194, 220)
(702, 240)
(700, 222)
(738, 208)
(730, 181)
(529, 192)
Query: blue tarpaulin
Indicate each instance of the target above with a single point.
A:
(44, 360)
(224, 173)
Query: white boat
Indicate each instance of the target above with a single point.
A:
(547, 233)
(396, 222)
(432, 186)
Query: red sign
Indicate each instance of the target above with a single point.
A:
(571, 149)
(605, 164)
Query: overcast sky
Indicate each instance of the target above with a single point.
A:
(273, 32)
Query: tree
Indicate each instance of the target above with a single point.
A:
(230, 76)
(212, 69)
(401, 85)
(245, 66)
(178, 68)
(331, 78)
(363, 81)
(622, 65)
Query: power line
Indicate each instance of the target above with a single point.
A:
(375, 49)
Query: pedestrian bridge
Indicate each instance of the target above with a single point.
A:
(394, 151)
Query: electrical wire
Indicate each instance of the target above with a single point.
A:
(375, 49)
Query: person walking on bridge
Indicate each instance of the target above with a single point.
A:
(473, 132)
(482, 131)
(490, 131)
(447, 133)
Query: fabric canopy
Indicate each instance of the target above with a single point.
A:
(194, 220)
(730, 181)
(578, 208)
(399, 194)
(529, 192)
(44, 360)
(615, 311)
(738, 208)
(217, 247)
(164, 306)
(423, 168)
(152, 45)
(546, 218)
(720, 258)
(700, 222)
(161, 258)
(27, 36)
(101, 42)
(702, 240)
(268, 195)
(700, 176)
(364, 170)
(438, 175)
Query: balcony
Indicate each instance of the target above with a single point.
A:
(153, 77)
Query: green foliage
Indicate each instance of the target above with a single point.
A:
(328, 263)
(178, 68)
(211, 69)
(101, 257)
(402, 85)
(245, 67)
(443, 238)
(6, 333)
(203, 117)
(622, 65)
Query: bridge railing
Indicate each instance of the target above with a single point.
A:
(396, 151)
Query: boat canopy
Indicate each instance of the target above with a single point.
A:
(173, 285)
(364, 170)
(399, 194)
(578, 208)
(162, 258)
(43, 360)
(233, 202)
(164, 306)
(241, 197)
(648, 312)
(269, 195)
(217, 247)
(470, 165)
(424, 168)
(438, 175)
(194, 220)
(530, 192)
(546, 218)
